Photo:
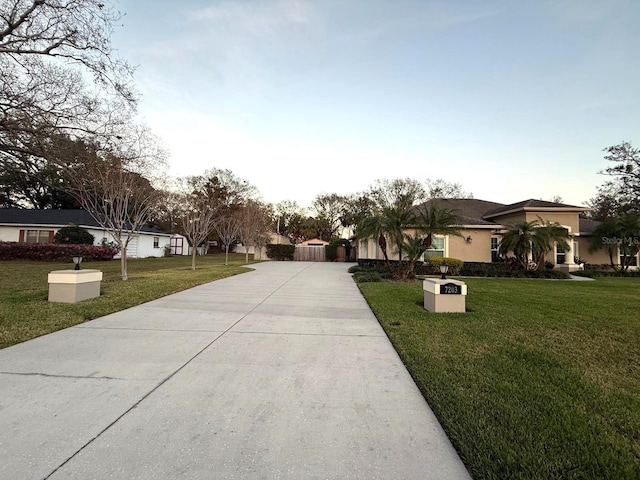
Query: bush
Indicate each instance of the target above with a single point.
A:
(480, 269)
(53, 252)
(367, 276)
(431, 266)
(73, 235)
(592, 273)
(280, 252)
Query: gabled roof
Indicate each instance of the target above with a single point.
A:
(55, 218)
(533, 205)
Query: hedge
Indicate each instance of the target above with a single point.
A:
(606, 273)
(280, 252)
(54, 252)
(481, 269)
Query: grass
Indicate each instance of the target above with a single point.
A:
(539, 379)
(25, 312)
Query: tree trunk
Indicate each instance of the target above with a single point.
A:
(246, 253)
(194, 250)
(123, 264)
(226, 254)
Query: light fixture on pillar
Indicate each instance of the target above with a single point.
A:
(77, 260)
(444, 268)
(468, 239)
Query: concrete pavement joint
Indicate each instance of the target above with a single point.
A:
(165, 380)
(49, 375)
(307, 334)
(155, 329)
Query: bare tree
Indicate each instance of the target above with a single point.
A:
(255, 220)
(46, 49)
(397, 192)
(440, 188)
(207, 202)
(198, 211)
(114, 186)
(227, 225)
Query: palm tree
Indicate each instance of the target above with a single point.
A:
(390, 226)
(387, 226)
(618, 236)
(533, 240)
(431, 219)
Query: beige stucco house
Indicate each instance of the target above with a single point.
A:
(484, 222)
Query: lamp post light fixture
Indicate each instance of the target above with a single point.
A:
(468, 239)
(77, 260)
(444, 268)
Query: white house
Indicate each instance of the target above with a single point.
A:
(40, 226)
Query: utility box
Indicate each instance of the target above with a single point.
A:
(444, 295)
(71, 286)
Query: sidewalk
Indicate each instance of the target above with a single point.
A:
(281, 373)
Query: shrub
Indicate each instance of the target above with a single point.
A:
(480, 269)
(431, 266)
(280, 252)
(606, 273)
(53, 252)
(73, 235)
(367, 276)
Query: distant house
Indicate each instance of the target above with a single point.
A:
(40, 226)
(484, 222)
(314, 242)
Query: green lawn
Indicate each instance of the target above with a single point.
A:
(538, 380)
(25, 312)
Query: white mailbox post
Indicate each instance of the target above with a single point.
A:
(444, 295)
(71, 286)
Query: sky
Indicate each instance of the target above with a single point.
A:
(511, 99)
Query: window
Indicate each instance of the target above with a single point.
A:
(634, 260)
(495, 245)
(39, 236)
(156, 242)
(436, 249)
(560, 255)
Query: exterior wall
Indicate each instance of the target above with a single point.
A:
(569, 220)
(479, 250)
(314, 242)
(9, 234)
(598, 257)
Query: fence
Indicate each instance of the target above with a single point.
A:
(309, 253)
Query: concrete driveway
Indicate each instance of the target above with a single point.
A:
(280, 373)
